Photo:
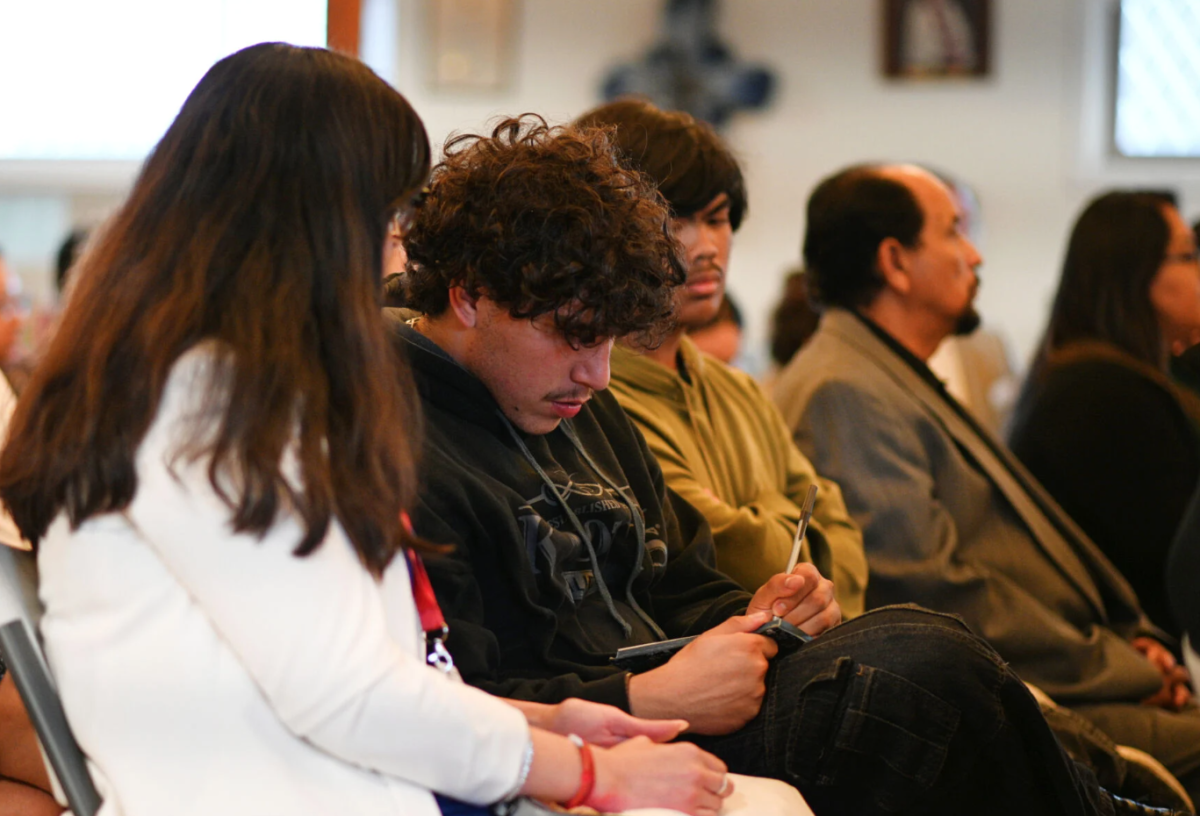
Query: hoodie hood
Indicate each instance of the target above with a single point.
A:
(442, 380)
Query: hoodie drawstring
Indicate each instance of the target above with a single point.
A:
(639, 526)
(579, 529)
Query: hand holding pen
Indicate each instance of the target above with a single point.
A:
(801, 596)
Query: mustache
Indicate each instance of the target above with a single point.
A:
(570, 395)
(704, 267)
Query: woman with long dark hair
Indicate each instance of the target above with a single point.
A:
(212, 461)
(1099, 422)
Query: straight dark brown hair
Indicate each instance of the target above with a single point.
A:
(1114, 252)
(257, 222)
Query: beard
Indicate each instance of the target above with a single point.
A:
(967, 322)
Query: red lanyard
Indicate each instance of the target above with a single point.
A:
(433, 622)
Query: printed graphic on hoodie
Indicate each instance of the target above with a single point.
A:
(561, 561)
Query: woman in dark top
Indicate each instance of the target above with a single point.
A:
(1099, 422)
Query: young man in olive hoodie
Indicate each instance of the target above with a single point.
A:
(721, 443)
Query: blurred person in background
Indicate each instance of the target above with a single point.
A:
(792, 323)
(10, 322)
(1185, 364)
(68, 254)
(1099, 422)
(12, 327)
(950, 517)
(25, 328)
(722, 336)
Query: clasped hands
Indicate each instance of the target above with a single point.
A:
(1175, 692)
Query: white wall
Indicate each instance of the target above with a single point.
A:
(1015, 137)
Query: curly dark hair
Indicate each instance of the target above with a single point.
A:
(547, 220)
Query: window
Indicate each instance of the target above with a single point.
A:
(1157, 99)
(81, 79)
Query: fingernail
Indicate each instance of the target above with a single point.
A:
(794, 582)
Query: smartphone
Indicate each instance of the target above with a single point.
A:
(638, 659)
(783, 633)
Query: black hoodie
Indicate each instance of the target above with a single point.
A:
(536, 610)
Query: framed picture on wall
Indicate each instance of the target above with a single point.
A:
(936, 39)
(470, 43)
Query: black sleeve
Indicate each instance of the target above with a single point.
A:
(1183, 573)
(475, 647)
(1117, 452)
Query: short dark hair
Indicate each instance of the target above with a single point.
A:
(688, 161)
(68, 254)
(546, 220)
(1115, 250)
(849, 215)
(794, 320)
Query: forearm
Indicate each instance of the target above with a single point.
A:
(653, 700)
(557, 768)
(538, 715)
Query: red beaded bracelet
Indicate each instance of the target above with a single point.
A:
(587, 779)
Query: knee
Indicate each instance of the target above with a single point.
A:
(932, 650)
(912, 615)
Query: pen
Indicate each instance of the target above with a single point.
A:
(805, 514)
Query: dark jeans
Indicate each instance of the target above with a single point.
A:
(1171, 737)
(904, 711)
(453, 807)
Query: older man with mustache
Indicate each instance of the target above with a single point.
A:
(950, 518)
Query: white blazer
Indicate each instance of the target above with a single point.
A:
(210, 672)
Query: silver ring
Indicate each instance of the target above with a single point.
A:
(724, 784)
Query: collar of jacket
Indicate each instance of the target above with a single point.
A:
(639, 372)
(998, 463)
(441, 380)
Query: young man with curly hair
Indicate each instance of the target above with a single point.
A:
(534, 249)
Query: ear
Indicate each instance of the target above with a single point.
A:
(394, 233)
(464, 307)
(892, 260)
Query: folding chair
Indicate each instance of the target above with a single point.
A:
(22, 654)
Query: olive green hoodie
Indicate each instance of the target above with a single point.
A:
(724, 448)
